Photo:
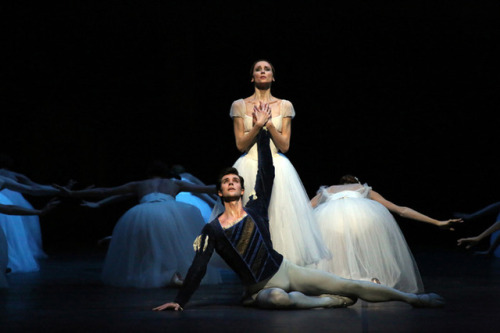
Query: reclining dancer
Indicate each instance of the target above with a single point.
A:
(240, 235)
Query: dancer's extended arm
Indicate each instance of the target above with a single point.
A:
(409, 213)
(101, 191)
(37, 190)
(18, 210)
(107, 201)
(204, 246)
(472, 241)
(190, 187)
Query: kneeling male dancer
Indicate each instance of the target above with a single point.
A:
(241, 237)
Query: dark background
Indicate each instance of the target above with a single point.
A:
(403, 94)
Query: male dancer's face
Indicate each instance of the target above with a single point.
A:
(230, 188)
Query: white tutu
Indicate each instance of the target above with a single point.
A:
(291, 220)
(365, 241)
(21, 258)
(4, 259)
(31, 223)
(152, 241)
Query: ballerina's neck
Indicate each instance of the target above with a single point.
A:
(262, 96)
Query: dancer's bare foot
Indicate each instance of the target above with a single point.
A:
(430, 300)
(177, 280)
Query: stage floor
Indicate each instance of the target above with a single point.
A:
(67, 296)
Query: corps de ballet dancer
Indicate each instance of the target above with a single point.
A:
(364, 238)
(150, 245)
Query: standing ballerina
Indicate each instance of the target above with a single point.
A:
(365, 241)
(151, 244)
(293, 229)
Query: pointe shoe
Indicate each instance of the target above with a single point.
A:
(375, 280)
(430, 300)
(177, 280)
(340, 301)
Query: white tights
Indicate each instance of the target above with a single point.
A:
(299, 287)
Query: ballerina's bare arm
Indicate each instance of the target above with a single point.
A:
(108, 200)
(131, 187)
(281, 139)
(412, 214)
(317, 199)
(244, 140)
(314, 201)
(20, 178)
(471, 241)
(18, 210)
(37, 190)
(190, 187)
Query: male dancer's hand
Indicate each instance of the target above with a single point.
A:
(169, 306)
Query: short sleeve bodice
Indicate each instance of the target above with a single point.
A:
(344, 191)
(238, 110)
(156, 197)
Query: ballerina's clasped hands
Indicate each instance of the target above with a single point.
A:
(261, 116)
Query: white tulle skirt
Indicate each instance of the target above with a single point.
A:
(293, 228)
(21, 258)
(493, 238)
(31, 224)
(4, 259)
(151, 242)
(366, 242)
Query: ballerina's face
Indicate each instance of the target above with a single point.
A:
(263, 72)
(231, 187)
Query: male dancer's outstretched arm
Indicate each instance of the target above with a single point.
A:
(265, 176)
(230, 191)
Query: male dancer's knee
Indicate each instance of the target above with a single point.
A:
(274, 298)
